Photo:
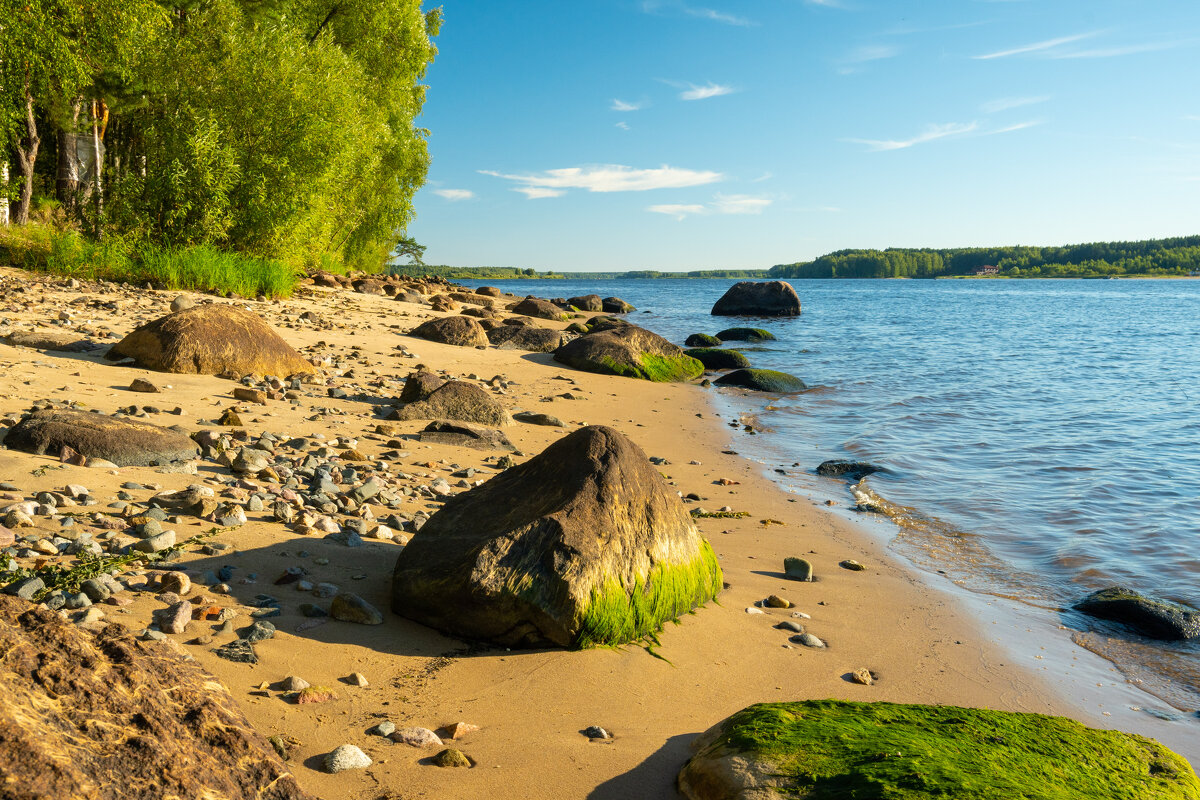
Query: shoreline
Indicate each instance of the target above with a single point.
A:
(530, 705)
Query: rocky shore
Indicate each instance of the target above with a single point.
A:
(253, 530)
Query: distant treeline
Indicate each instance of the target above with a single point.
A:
(1178, 256)
(514, 273)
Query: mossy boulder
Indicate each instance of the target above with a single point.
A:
(587, 302)
(632, 352)
(583, 544)
(745, 335)
(458, 400)
(460, 331)
(124, 442)
(702, 340)
(543, 309)
(716, 358)
(758, 299)
(826, 749)
(208, 340)
(762, 380)
(1158, 619)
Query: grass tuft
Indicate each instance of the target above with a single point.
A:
(618, 615)
(831, 749)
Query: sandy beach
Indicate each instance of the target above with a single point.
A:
(530, 706)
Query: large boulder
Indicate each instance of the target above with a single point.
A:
(460, 331)
(108, 717)
(718, 358)
(587, 302)
(535, 307)
(630, 351)
(209, 340)
(583, 544)
(53, 341)
(830, 748)
(458, 400)
(615, 305)
(489, 291)
(758, 299)
(1158, 619)
(124, 442)
(517, 337)
(762, 380)
(419, 385)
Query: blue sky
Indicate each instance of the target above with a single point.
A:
(664, 134)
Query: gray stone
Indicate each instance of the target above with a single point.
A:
(25, 588)
(346, 757)
(798, 569)
(352, 608)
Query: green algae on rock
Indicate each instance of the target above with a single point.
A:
(762, 380)
(717, 358)
(822, 749)
(632, 352)
(582, 545)
(745, 335)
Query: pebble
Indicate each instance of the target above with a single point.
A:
(862, 675)
(358, 679)
(460, 729)
(416, 737)
(177, 582)
(775, 601)
(788, 625)
(174, 618)
(384, 728)
(315, 694)
(851, 565)
(753, 610)
(808, 640)
(294, 683)
(596, 732)
(346, 757)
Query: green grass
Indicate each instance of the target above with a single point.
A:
(618, 614)
(830, 749)
(202, 268)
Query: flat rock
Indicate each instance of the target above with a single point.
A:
(416, 737)
(537, 418)
(1158, 619)
(52, 341)
(762, 380)
(464, 434)
(124, 442)
(521, 337)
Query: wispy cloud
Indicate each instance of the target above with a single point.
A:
(931, 133)
(704, 92)
(1036, 47)
(852, 62)
(1020, 126)
(623, 125)
(605, 178)
(720, 204)
(683, 9)
(621, 105)
(1005, 103)
(1192, 117)
(454, 194)
(1123, 50)
(826, 3)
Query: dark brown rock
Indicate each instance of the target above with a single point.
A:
(615, 305)
(521, 337)
(588, 302)
(124, 442)
(55, 341)
(209, 340)
(489, 291)
(107, 717)
(758, 299)
(465, 435)
(460, 401)
(630, 351)
(419, 385)
(543, 309)
(521, 559)
(460, 331)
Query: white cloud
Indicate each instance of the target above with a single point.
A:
(705, 92)
(621, 105)
(700, 12)
(1020, 126)
(850, 63)
(930, 133)
(740, 203)
(538, 192)
(721, 204)
(607, 178)
(1126, 50)
(623, 125)
(454, 194)
(1036, 47)
(1005, 103)
(678, 210)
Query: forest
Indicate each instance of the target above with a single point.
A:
(1164, 257)
(280, 131)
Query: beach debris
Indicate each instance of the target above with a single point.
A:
(344, 757)
(596, 732)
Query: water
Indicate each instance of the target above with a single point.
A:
(1040, 439)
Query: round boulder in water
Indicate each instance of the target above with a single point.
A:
(583, 544)
(762, 380)
(745, 335)
(758, 298)
(702, 340)
(1150, 616)
(716, 358)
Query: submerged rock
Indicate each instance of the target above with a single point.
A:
(850, 470)
(1158, 619)
(583, 544)
(632, 352)
(826, 748)
(745, 335)
(758, 298)
(762, 380)
(209, 340)
(716, 358)
(124, 442)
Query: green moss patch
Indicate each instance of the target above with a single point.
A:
(618, 614)
(832, 749)
(660, 369)
(745, 335)
(717, 358)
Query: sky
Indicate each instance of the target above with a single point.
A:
(587, 135)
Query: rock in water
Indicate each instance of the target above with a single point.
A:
(460, 331)
(1159, 619)
(758, 299)
(745, 335)
(102, 715)
(702, 340)
(716, 358)
(124, 442)
(535, 307)
(458, 400)
(851, 470)
(208, 340)
(893, 750)
(762, 380)
(630, 351)
(587, 302)
(583, 544)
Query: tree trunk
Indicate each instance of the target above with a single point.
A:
(99, 165)
(26, 157)
(66, 186)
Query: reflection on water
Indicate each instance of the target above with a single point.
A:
(1041, 439)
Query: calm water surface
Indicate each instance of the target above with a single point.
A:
(1040, 439)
